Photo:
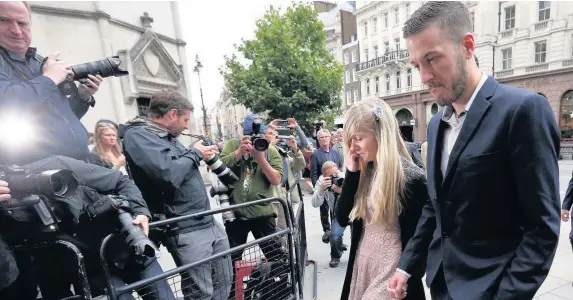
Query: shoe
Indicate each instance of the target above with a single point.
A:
(344, 247)
(334, 262)
(326, 237)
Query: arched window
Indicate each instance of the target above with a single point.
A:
(566, 119)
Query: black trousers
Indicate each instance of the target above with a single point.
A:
(324, 215)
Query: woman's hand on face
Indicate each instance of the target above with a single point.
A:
(352, 161)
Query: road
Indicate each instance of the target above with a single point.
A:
(557, 286)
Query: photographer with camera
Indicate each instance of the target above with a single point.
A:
(82, 206)
(259, 167)
(327, 189)
(169, 178)
(29, 91)
(317, 126)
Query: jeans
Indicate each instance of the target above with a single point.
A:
(324, 215)
(336, 234)
(211, 280)
(133, 272)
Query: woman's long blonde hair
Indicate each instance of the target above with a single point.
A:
(382, 181)
(99, 128)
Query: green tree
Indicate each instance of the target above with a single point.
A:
(286, 70)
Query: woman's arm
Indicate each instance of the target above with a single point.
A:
(345, 201)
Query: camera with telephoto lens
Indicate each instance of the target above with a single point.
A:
(335, 180)
(226, 177)
(258, 140)
(34, 189)
(118, 207)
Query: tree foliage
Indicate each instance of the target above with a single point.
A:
(286, 71)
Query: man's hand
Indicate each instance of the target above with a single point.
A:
(398, 285)
(56, 70)
(258, 155)
(207, 151)
(4, 191)
(336, 188)
(244, 147)
(326, 183)
(86, 90)
(292, 123)
(143, 222)
(564, 215)
(292, 144)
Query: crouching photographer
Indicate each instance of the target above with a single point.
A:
(170, 180)
(61, 198)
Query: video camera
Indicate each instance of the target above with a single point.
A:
(258, 140)
(225, 176)
(30, 188)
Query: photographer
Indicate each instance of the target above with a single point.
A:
(8, 267)
(327, 191)
(29, 91)
(317, 127)
(259, 172)
(170, 180)
(55, 270)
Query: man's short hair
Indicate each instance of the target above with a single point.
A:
(324, 131)
(327, 165)
(452, 17)
(164, 101)
(27, 6)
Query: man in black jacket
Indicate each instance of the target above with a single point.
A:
(52, 268)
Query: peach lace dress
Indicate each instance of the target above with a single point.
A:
(376, 260)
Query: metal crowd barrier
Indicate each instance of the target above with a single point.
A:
(255, 276)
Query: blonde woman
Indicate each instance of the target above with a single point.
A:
(382, 196)
(107, 151)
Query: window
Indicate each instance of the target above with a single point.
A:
(365, 54)
(367, 86)
(506, 58)
(347, 75)
(375, 52)
(544, 12)
(407, 10)
(346, 58)
(354, 75)
(398, 81)
(386, 47)
(409, 78)
(540, 51)
(348, 98)
(356, 97)
(396, 16)
(510, 17)
(374, 25)
(387, 82)
(353, 55)
(377, 82)
(473, 19)
(365, 28)
(385, 20)
(142, 106)
(397, 44)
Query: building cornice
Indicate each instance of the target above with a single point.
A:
(96, 15)
(534, 75)
(368, 8)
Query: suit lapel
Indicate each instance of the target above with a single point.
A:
(474, 116)
(435, 134)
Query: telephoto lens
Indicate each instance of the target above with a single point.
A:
(111, 66)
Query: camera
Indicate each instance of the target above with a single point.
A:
(35, 189)
(134, 237)
(335, 180)
(282, 123)
(317, 125)
(258, 140)
(226, 177)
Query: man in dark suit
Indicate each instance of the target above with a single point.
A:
(491, 225)
(566, 208)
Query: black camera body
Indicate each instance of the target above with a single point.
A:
(335, 180)
(258, 140)
(317, 125)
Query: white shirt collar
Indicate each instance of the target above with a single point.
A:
(449, 110)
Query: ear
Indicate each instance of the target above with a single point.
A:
(468, 45)
(172, 113)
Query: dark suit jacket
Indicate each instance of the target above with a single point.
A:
(568, 203)
(413, 199)
(492, 223)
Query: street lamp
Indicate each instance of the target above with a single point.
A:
(197, 69)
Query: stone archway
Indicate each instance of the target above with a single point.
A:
(406, 123)
(566, 116)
